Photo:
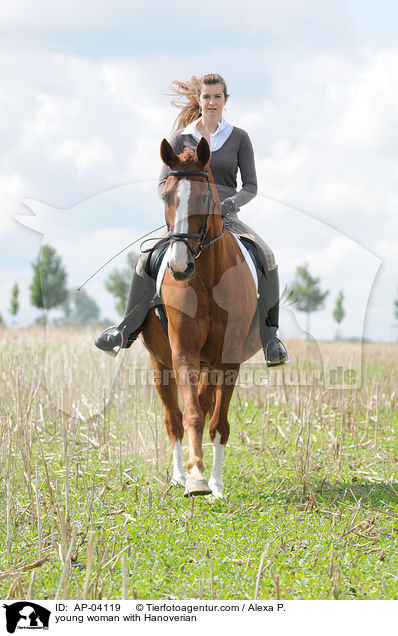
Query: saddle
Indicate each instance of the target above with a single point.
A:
(152, 267)
(154, 262)
(255, 254)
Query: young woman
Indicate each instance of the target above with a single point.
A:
(202, 102)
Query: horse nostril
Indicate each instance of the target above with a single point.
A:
(185, 275)
(190, 270)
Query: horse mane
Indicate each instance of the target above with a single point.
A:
(187, 155)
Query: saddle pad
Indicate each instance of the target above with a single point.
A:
(245, 254)
(251, 265)
(162, 270)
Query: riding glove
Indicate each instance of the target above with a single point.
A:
(228, 207)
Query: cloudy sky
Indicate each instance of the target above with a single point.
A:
(84, 105)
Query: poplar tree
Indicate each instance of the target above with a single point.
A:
(48, 288)
(80, 308)
(307, 294)
(396, 308)
(118, 282)
(14, 300)
(338, 311)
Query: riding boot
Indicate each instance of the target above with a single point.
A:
(275, 351)
(139, 301)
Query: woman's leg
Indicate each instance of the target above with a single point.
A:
(139, 301)
(236, 226)
(268, 288)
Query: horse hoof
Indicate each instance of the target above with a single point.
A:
(195, 487)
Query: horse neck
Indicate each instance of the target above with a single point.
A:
(215, 222)
(210, 263)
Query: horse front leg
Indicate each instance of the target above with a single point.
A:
(187, 370)
(167, 389)
(219, 427)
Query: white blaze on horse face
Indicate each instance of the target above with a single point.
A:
(179, 251)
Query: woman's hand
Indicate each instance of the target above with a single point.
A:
(228, 207)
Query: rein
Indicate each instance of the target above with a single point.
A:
(211, 204)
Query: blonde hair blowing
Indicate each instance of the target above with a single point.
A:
(187, 97)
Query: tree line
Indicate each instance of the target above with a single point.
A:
(49, 290)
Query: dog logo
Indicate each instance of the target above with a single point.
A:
(26, 615)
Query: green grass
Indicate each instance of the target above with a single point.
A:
(310, 485)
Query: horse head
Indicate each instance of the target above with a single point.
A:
(190, 200)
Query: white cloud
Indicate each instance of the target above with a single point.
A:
(321, 112)
(46, 121)
(276, 17)
(326, 144)
(86, 154)
(11, 187)
(370, 120)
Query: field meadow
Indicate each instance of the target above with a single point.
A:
(87, 510)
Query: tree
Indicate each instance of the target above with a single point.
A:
(118, 282)
(306, 292)
(14, 300)
(48, 288)
(80, 308)
(338, 311)
(396, 315)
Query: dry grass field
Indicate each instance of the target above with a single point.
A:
(87, 510)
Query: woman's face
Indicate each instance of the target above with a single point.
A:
(212, 100)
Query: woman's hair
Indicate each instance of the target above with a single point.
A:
(188, 94)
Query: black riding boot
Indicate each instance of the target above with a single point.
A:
(139, 301)
(275, 351)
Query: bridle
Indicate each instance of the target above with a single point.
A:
(211, 204)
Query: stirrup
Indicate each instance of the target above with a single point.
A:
(112, 352)
(281, 362)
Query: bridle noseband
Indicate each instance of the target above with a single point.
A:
(211, 204)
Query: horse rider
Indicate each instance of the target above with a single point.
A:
(202, 102)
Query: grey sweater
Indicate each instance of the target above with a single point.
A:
(236, 152)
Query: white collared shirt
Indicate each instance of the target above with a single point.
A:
(217, 139)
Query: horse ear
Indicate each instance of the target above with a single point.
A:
(167, 153)
(203, 152)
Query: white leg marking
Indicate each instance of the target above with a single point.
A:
(178, 470)
(195, 473)
(215, 481)
(179, 251)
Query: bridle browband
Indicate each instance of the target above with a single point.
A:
(211, 204)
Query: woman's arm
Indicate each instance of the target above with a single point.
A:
(247, 171)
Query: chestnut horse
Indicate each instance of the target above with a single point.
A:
(210, 301)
